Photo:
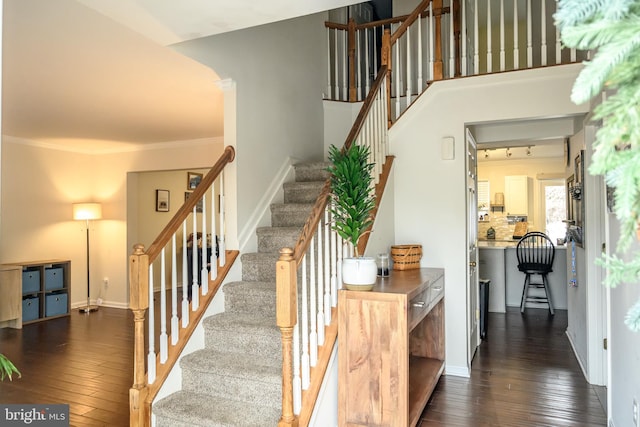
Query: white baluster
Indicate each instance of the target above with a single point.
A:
(375, 51)
(463, 41)
(334, 270)
(489, 48)
(502, 53)
(529, 37)
(336, 86)
(195, 300)
(204, 273)
(313, 335)
(151, 356)
(164, 343)
(397, 62)
(327, 269)
(573, 55)
(174, 292)
(431, 42)
(367, 77)
(297, 382)
(558, 48)
(516, 49)
(419, 81)
(476, 40)
(213, 261)
(408, 38)
(185, 279)
(328, 63)
(320, 312)
(452, 49)
(543, 33)
(304, 319)
(345, 74)
(222, 256)
(358, 60)
(340, 244)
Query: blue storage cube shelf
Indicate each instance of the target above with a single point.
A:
(53, 278)
(55, 304)
(30, 309)
(30, 281)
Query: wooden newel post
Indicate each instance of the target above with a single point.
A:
(351, 29)
(139, 303)
(385, 59)
(286, 319)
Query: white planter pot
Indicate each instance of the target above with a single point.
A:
(359, 274)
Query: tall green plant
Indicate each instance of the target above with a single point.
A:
(351, 192)
(7, 368)
(611, 28)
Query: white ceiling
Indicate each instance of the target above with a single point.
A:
(99, 71)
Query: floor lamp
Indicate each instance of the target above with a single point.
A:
(87, 212)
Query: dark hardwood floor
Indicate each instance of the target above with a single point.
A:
(524, 374)
(83, 360)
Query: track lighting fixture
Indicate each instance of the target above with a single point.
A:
(529, 151)
(508, 152)
(486, 154)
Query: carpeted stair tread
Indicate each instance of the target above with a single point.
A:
(244, 321)
(272, 239)
(236, 365)
(290, 214)
(183, 409)
(312, 171)
(259, 266)
(302, 192)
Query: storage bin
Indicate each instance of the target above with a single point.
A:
(406, 257)
(53, 278)
(55, 304)
(30, 309)
(30, 281)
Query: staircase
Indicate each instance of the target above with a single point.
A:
(236, 380)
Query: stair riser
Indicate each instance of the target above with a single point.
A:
(239, 389)
(258, 271)
(306, 193)
(274, 242)
(312, 172)
(264, 303)
(259, 344)
(289, 215)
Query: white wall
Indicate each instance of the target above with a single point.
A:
(280, 75)
(430, 193)
(41, 183)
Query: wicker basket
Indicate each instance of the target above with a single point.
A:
(406, 257)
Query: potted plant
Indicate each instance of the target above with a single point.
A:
(353, 202)
(7, 368)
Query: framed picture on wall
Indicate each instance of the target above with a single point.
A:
(193, 179)
(162, 200)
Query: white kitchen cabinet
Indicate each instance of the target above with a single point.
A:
(491, 267)
(516, 198)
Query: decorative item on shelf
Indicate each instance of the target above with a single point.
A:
(520, 229)
(491, 233)
(87, 212)
(499, 199)
(383, 265)
(352, 204)
(406, 257)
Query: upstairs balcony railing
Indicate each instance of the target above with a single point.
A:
(442, 39)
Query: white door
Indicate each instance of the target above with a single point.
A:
(473, 311)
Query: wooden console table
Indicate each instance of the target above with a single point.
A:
(390, 348)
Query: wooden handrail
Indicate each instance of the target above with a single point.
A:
(321, 201)
(409, 21)
(172, 226)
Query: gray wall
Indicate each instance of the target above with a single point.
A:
(280, 74)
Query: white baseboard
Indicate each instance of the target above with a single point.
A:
(111, 304)
(457, 371)
(575, 353)
(262, 207)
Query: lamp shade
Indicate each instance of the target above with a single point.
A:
(86, 211)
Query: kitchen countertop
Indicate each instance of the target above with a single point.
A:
(504, 244)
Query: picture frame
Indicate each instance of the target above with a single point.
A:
(198, 205)
(193, 179)
(162, 200)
